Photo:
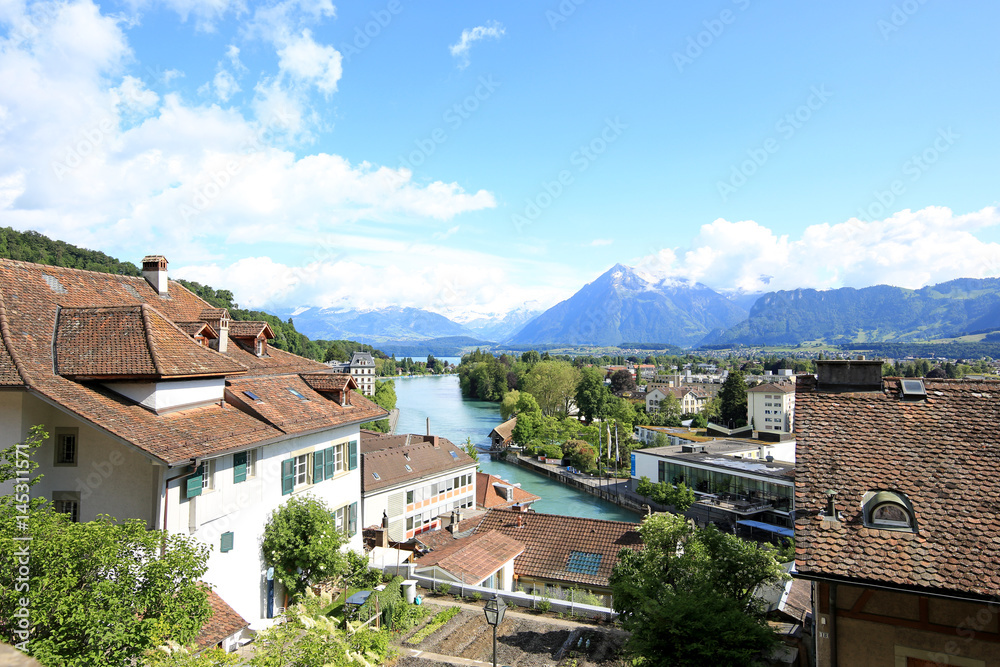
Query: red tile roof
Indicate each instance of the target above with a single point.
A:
(390, 456)
(196, 328)
(250, 329)
(474, 558)
(330, 381)
(31, 296)
(942, 453)
(224, 622)
(772, 387)
(131, 341)
(550, 542)
(488, 496)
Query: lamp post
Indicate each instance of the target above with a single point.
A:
(494, 610)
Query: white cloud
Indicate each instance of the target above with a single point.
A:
(461, 48)
(305, 60)
(205, 13)
(597, 243)
(909, 249)
(194, 181)
(225, 85)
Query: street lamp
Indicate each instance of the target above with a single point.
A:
(494, 610)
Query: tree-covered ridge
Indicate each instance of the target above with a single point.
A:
(31, 246)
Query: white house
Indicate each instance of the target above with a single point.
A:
(363, 371)
(771, 407)
(691, 401)
(413, 480)
(158, 408)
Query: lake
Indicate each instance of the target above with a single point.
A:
(457, 419)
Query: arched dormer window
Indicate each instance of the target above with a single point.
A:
(889, 510)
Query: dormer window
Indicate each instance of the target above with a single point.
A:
(260, 346)
(888, 510)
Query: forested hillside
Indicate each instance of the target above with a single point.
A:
(34, 247)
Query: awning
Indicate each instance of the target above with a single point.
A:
(770, 527)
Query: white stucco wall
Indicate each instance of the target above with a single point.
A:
(375, 503)
(160, 396)
(243, 509)
(110, 477)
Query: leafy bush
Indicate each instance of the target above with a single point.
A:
(477, 596)
(444, 587)
(544, 605)
(387, 598)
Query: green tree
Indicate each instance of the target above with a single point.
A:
(622, 380)
(100, 592)
(592, 394)
(553, 384)
(301, 542)
(733, 400)
(580, 454)
(687, 597)
(385, 398)
(471, 450)
(508, 406)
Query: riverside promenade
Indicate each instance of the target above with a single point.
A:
(612, 489)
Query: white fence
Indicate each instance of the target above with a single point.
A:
(570, 606)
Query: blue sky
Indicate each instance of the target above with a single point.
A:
(367, 154)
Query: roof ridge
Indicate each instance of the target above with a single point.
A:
(5, 337)
(148, 330)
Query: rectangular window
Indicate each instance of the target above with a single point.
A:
(338, 457)
(409, 523)
(661, 471)
(67, 502)
(251, 463)
(301, 469)
(207, 475)
(434, 489)
(66, 446)
(352, 519)
(409, 497)
(339, 518)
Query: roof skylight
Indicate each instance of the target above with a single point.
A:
(913, 388)
(583, 562)
(251, 395)
(297, 394)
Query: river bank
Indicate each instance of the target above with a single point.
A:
(439, 398)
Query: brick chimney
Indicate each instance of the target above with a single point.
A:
(848, 375)
(154, 270)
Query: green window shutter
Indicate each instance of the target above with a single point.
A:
(318, 467)
(287, 476)
(227, 542)
(194, 484)
(352, 520)
(352, 455)
(239, 467)
(329, 461)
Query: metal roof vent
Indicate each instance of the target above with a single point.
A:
(913, 389)
(54, 284)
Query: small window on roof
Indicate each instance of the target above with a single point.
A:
(375, 475)
(454, 455)
(888, 510)
(408, 468)
(913, 388)
(297, 394)
(251, 395)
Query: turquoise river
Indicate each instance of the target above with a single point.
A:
(456, 418)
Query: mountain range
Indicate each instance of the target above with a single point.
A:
(622, 307)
